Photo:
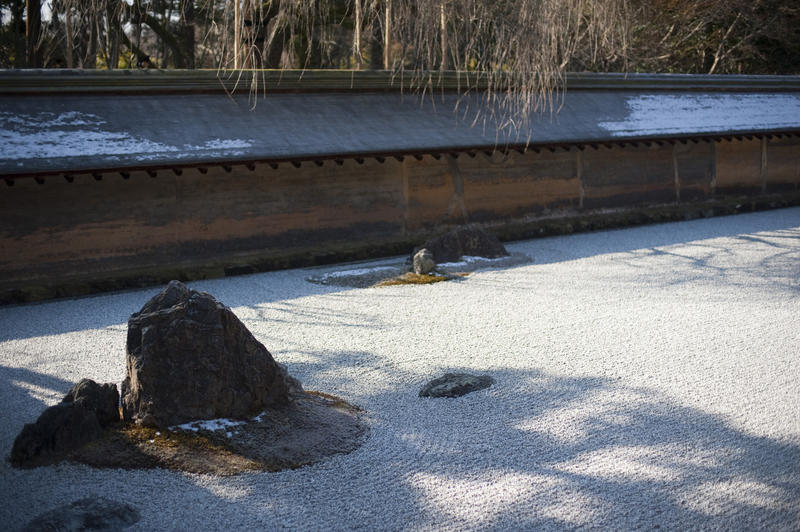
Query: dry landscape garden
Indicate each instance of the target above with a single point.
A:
(642, 377)
(399, 265)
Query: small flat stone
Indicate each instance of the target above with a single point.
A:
(455, 385)
(93, 513)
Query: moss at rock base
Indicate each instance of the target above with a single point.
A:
(312, 427)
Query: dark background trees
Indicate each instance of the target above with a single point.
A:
(712, 37)
(545, 37)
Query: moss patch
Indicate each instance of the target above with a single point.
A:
(415, 278)
(313, 426)
(130, 446)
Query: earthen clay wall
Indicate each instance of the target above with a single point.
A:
(82, 233)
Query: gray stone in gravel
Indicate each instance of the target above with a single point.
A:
(96, 513)
(455, 385)
(189, 357)
(423, 262)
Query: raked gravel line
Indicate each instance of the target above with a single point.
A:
(646, 377)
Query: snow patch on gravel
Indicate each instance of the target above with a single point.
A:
(210, 425)
(356, 272)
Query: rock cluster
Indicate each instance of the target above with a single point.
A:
(78, 419)
(468, 240)
(189, 357)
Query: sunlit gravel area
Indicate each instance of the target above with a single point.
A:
(644, 378)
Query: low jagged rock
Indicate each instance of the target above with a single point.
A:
(61, 428)
(468, 240)
(103, 399)
(92, 513)
(423, 262)
(189, 357)
(77, 420)
(455, 385)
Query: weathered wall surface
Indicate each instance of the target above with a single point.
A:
(487, 187)
(783, 165)
(65, 237)
(738, 166)
(142, 224)
(620, 176)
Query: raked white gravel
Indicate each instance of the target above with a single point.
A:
(646, 377)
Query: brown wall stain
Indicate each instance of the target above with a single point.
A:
(695, 169)
(113, 217)
(614, 177)
(738, 165)
(519, 184)
(430, 190)
(783, 164)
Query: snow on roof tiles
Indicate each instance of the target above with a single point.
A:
(74, 132)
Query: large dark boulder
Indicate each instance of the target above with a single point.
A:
(61, 428)
(468, 240)
(189, 357)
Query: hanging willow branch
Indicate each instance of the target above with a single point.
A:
(511, 53)
(516, 51)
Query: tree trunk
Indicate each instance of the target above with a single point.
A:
(387, 39)
(94, 36)
(168, 39)
(68, 32)
(357, 35)
(237, 34)
(187, 30)
(376, 45)
(443, 28)
(18, 31)
(138, 53)
(112, 34)
(275, 37)
(33, 30)
(718, 54)
(314, 53)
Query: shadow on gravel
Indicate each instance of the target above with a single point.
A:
(582, 245)
(534, 451)
(778, 267)
(112, 310)
(18, 401)
(592, 451)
